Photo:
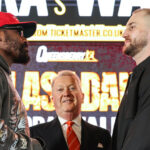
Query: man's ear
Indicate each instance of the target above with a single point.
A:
(51, 97)
(2, 36)
(3, 45)
(3, 42)
(52, 100)
(82, 97)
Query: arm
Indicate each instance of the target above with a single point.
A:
(139, 131)
(11, 140)
(12, 137)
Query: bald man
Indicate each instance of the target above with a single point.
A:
(132, 126)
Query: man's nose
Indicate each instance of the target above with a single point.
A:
(66, 92)
(125, 33)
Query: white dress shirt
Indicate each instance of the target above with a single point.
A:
(76, 127)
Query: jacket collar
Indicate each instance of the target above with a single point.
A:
(4, 65)
(139, 68)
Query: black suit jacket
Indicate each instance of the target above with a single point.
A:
(132, 126)
(52, 134)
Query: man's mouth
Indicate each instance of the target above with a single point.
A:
(127, 41)
(25, 45)
(67, 101)
(26, 48)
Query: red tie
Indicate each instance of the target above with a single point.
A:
(72, 140)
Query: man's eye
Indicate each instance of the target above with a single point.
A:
(72, 88)
(132, 27)
(60, 89)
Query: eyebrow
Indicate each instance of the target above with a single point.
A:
(132, 23)
(61, 85)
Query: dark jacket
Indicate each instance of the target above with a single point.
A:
(132, 126)
(91, 136)
(14, 129)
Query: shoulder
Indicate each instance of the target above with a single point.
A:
(95, 129)
(2, 75)
(40, 130)
(144, 82)
(44, 126)
(3, 82)
(146, 73)
(96, 135)
(39, 126)
(45, 131)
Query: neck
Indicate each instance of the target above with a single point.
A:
(142, 55)
(7, 59)
(68, 116)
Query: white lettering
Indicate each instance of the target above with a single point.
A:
(112, 123)
(0, 5)
(92, 120)
(50, 118)
(44, 56)
(126, 6)
(29, 121)
(85, 8)
(38, 120)
(41, 54)
(11, 6)
(105, 9)
(35, 120)
(84, 118)
(103, 122)
(26, 5)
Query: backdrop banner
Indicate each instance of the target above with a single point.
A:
(102, 68)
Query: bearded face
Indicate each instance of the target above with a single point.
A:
(136, 34)
(135, 45)
(19, 52)
(16, 47)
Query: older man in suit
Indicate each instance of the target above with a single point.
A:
(69, 131)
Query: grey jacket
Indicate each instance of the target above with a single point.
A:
(14, 130)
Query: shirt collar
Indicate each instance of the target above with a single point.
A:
(77, 120)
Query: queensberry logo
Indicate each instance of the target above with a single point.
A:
(44, 56)
(84, 7)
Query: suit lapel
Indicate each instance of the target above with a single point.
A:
(59, 137)
(131, 101)
(84, 136)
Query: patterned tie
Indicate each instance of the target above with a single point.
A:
(72, 140)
